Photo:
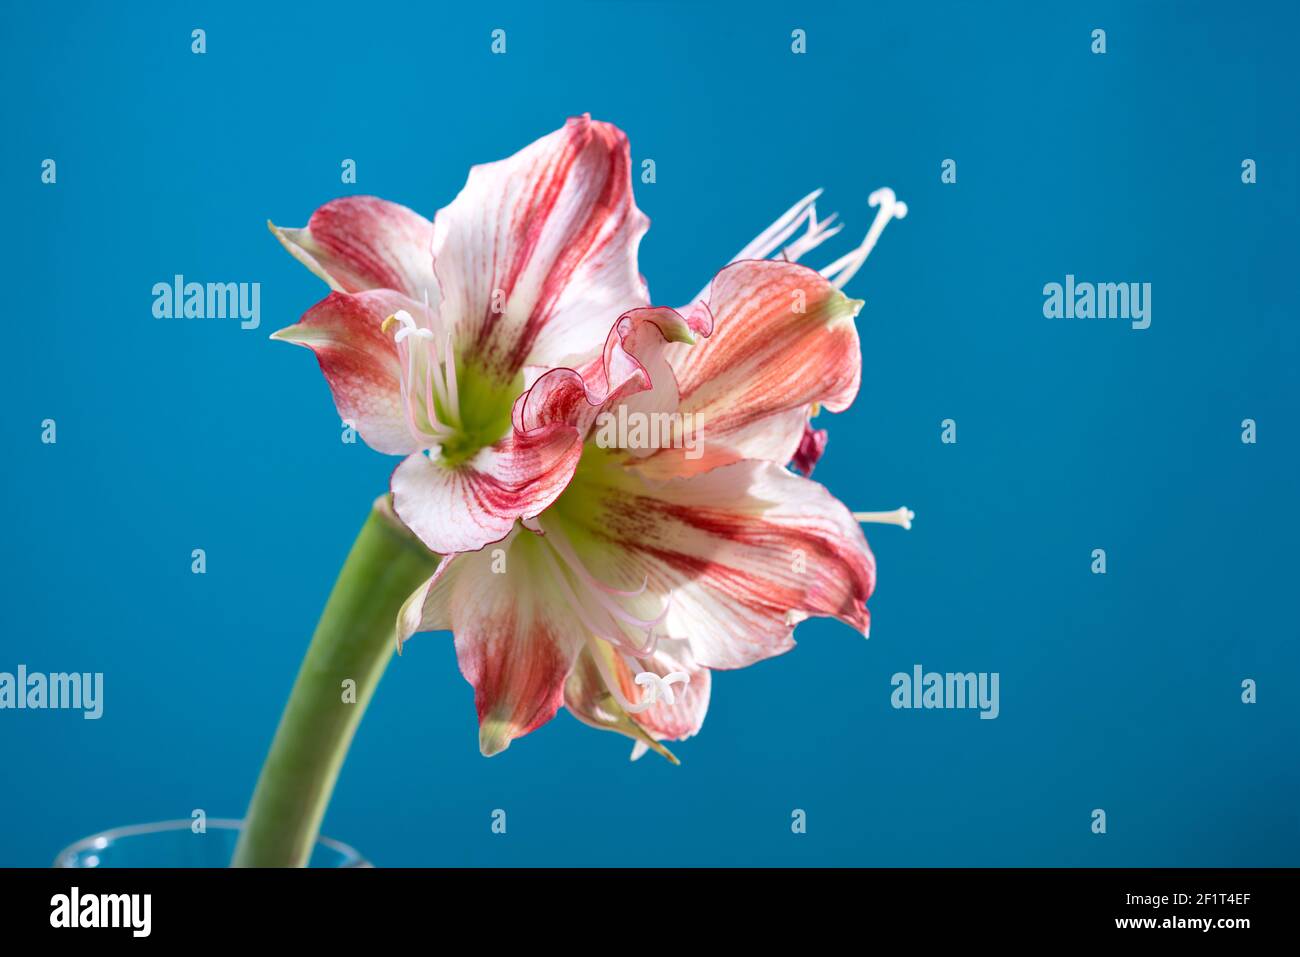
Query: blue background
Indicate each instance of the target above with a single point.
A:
(1119, 692)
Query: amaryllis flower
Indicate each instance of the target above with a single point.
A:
(429, 329)
(658, 564)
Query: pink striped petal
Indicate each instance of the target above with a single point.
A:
(361, 242)
(360, 363)
(538, 251)
(746, 551)
(515, 641)
(783, 338)
(464, 507)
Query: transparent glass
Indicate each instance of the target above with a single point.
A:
(174, 844)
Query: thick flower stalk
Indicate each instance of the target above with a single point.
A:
(347, 656)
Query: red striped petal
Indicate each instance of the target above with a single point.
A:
(632, 368)
(783, 338)
(360, 364)
(746, 551)
(538, 251)
(514, 641)
(464, 507)
(361, 242)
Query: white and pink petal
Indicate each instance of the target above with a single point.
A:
(745, 551)
(462, 507)
(362, 242)
(538, 251)
(783, 339)
(632, 370)
(516, 641)
(360, 364)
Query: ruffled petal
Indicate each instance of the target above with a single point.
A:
(362, 242)
(461, 508)
(516, 640)
(632, 370)
(783, 338)
(538, 251)
(360, 364)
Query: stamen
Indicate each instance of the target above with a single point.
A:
(434, 384)
(584, 614)
(656, 687)
(576, 565)
(844, 268)
(590, 591)
(453, 393)
(654, 684)
(899, 516)
(817, 234)
(407, 406)
(434, 430)
(770, 239)
(611, 683)
(766, 243)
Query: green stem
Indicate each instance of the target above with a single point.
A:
(354, 640)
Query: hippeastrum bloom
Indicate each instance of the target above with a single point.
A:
(429, 329)
(660, 562)
(624, 570)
